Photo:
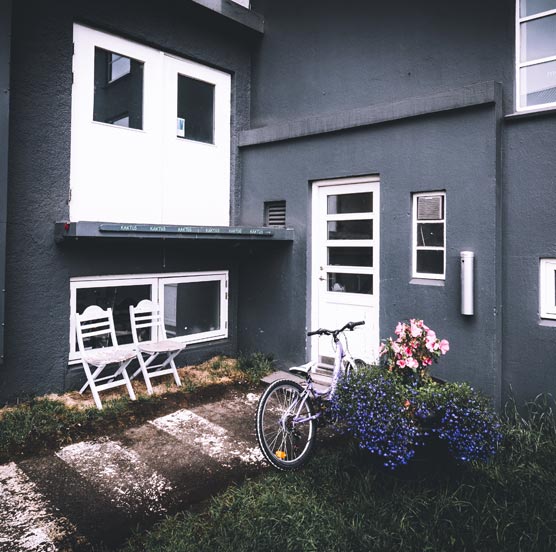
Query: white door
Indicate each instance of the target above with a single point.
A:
(345, 268)
(196, 150)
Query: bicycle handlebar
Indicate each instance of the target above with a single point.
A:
(349, 326)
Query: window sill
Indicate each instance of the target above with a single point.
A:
(235, 12)
(547, 112)
(547, 322)
(427, 282)
(68, 231)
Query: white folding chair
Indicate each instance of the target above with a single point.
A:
(96, 322)
(146, 315)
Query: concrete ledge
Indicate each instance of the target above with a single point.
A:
(245, 17)
(64, 231)
(468, 96)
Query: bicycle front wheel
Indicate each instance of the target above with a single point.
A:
(285, 435)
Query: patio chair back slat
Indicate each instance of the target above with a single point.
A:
(95, 322)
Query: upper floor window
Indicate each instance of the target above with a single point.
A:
(429, 235)
(150, 135)
(535, 54)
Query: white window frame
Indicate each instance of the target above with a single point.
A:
(244, 3)
(519, 65)
(547, 292)
(415, 247)
(156, 281)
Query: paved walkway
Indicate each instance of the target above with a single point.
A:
(93, 493)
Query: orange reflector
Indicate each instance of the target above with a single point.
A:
(280, 454)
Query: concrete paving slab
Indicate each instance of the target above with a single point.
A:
(98, 491)
(28, 521)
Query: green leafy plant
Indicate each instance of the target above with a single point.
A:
(255, 366)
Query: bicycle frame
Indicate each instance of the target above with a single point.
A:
(312, 393)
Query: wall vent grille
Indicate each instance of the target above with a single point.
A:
(275, 214)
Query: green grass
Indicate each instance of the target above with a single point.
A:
(342, 501)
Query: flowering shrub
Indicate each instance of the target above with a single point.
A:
(460, 417)
(372, 404)
(390, 411)
(415, 348)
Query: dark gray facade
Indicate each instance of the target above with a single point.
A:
(419, 95)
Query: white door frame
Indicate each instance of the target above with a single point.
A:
(315, 268)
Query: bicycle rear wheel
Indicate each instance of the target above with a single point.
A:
(287, 445)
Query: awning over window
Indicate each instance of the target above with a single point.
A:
(65, 231)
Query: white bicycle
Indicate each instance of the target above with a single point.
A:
(288, 413)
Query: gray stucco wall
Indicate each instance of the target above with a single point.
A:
(317, 59)
(454, 151)
(37, 315)
(321, 56)
(530, 234)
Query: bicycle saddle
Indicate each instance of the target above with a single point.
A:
(302, 370)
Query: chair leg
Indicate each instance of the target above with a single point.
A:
(128, 381)
(175, 370)
(144, 369)
(91, 383)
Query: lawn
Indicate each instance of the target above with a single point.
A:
(343, 500)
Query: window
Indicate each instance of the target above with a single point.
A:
(195, 110)
(194, 305)
(150, 135)
(244, 3)
(548, 288)
(535, 54)
(118, 90)
(429, 235)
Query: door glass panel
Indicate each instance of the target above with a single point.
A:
(538, 38)
(531, 7)
(350, 203)
(119, 299)
(191, 308)
(430, 262)
(350, 230)
(350, 256)
(118, 98)
(350, 283)
(538, 84)
(431, 235)
(195, 117)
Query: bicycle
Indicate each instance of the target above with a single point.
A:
(288, 413)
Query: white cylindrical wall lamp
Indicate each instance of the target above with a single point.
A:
(467, 262)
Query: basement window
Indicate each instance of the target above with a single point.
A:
(194, 305)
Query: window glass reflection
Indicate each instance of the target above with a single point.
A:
(118, 98)
(191, 308)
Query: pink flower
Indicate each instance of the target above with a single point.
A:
(415, 330)
(399, 328)
(444, 346)
(431, 344)
(396, 348)
(401, 363)
(412, 363)
(431, 334)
